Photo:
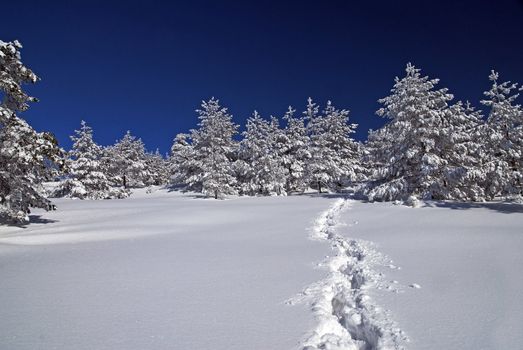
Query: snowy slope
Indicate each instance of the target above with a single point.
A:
(160, 271)
(175, 271)
(467, 260)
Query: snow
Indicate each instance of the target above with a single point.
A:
(462, 263)
(160, 271)
(169, 270)
(347, 316)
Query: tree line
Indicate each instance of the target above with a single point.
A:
(430, 147)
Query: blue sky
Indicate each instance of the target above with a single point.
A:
(146, 65)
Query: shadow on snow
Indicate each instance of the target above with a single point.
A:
(33, 219)
(502, 207)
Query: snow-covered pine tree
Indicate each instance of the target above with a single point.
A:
(181, 164)
(347, 150)
(126, 162)
(265, 175)
(413, 152)
(292, 146)
(213, 145)
(157, 168)
(86, 179)
(460, 174)
(242, 172)
(334, 154)
(24, 153)
(206, 162)
(503, 137)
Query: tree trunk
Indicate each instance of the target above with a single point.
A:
(288, 180)
(215, 194)
(124, 182)
(319, 187)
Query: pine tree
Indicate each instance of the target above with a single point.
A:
(503, 136)
(413, 153)
(460, 174)
(334, 155)
(157, 169)
(265, 174)
(206, 162)
(182, 165)
(86, 179)
(292, 146)
(274, 160)
(126, 162)
(24, 153)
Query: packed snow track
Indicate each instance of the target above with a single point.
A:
(347, 316)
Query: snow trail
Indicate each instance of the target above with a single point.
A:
(348, 318)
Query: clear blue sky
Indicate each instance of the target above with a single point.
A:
(146, 65)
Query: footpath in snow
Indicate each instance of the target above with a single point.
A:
(348, 317)
(168, 271)
(460, 283)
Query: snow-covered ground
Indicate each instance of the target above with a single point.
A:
(467, 259)
(174, 271)
(159, 271)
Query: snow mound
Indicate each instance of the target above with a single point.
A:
(348, 317)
